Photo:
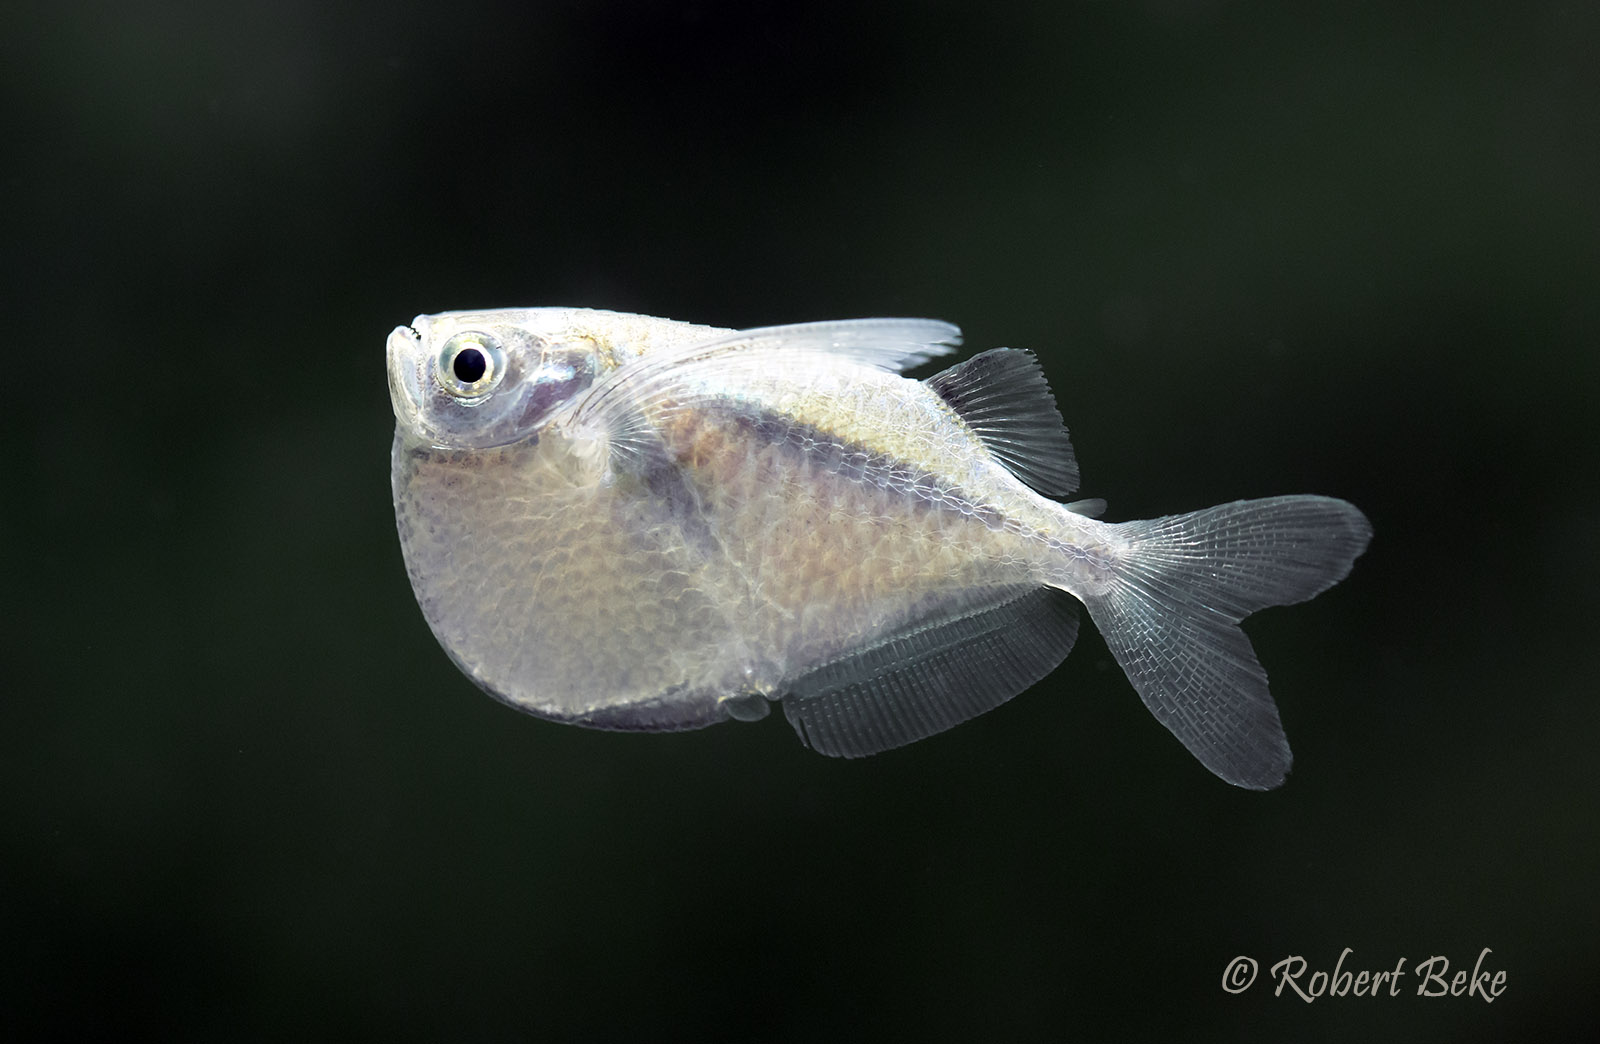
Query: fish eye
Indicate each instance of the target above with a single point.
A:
(470, 365)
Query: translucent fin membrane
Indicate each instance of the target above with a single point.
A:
(1171, 618)
(614, 412)
(922, 681)
(1003, 396)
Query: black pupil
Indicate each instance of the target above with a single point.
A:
(469, 365)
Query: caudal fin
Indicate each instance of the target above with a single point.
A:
(1171, 618)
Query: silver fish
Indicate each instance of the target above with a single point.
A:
(628, 522)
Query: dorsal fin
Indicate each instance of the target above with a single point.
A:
(1003, 397)
(932, 676)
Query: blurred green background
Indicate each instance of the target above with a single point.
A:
(1345, 248)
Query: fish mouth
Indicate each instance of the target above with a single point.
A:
(404, 351)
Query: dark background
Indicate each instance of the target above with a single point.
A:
(1346, 248)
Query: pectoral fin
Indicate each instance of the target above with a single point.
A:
(923, 680)
(889, 344)
(614, 412)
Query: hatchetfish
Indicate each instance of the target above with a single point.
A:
(634, 523)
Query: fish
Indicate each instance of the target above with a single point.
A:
(634, 523)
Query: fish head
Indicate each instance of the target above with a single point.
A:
(475, 380)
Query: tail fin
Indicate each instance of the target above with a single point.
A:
(1171, 618)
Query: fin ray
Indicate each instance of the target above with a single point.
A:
(1003, 396)
(612, 411)
(926, 679)
(1171, 618)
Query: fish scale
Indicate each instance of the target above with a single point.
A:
(867, 565)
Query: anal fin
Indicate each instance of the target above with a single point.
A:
(934, 676)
